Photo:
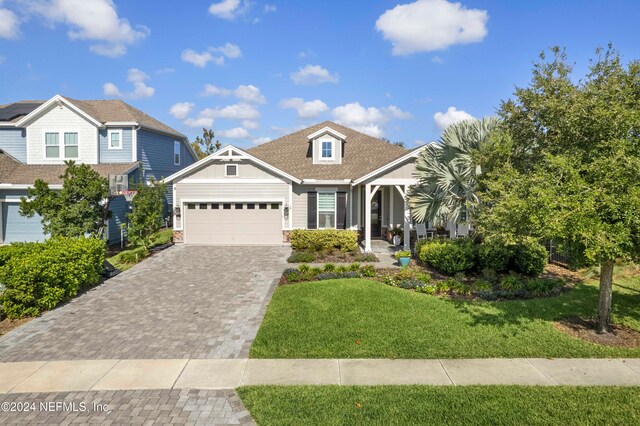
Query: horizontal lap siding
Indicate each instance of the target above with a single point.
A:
(14, 143)
(123, 155)
(299, 203)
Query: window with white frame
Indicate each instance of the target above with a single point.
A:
(52, 145)
(115, 139)
(326, 210)
(176, 153)
(326, 150)
(70, 145)
(231, 170)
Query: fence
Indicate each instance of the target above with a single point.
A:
(556, 255)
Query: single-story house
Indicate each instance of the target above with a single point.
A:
(325, 176)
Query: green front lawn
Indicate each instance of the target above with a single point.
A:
(446, 405)
(162, 237)
(357, 318)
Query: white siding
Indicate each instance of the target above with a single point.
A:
(246, 170)
(337, 147)
(61, 119)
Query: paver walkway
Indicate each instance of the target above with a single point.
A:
(184, 302)
(114, 375)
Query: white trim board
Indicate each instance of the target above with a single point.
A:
(231, 180)
(409, 155)
(57, 98)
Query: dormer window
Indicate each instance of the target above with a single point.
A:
(327, 150)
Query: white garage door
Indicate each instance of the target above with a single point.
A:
(233, 223)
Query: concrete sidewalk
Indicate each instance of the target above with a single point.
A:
(108, 375)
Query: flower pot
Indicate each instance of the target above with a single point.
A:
(404, 261)
(397, 240)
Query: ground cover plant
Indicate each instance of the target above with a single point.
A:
(441, 405)
(133, 254)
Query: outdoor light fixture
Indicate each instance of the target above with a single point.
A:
(286, 211)
(176, 211)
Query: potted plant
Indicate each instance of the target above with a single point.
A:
(403, 256)
(397, 236)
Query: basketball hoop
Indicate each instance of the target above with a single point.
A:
(128, 195)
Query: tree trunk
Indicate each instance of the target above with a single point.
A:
(603, 323)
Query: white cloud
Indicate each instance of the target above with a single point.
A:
(140, 89)
(367, 120)
(9, 24)
(201, 59)
(249, 124)
(428, 25)
(234, 112)
(235, 133)
(95, 20)
(211, 90)
(181, 110)
(229, 9)
(229, 50)
(250, 94)
(199, 122)
(453, 115)
(261, 140)
(270, 8)
(309, 109)
(313, 74)
(166, 71)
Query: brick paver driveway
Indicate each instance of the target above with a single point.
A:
(184, 302)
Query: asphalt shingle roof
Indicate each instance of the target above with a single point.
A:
(14, 172)
(362, 154)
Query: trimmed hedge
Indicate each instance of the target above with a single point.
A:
(449, 256)
(494, 255)
(324, 240)
(529, 257)
(39, 276)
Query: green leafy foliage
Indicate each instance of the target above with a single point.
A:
(301, 256)
(494, 255)
(402, 253)
(145, 218)
(512, 282)
(78, 209)
(39, 276)
(529, 257)
(449, 256)
(318, 240)
(206, 144)
(133, 256)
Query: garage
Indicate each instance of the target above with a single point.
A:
(233, 223)
(17, 228)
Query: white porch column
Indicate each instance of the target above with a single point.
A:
(407, 220)
(367, 218)
(391, 205)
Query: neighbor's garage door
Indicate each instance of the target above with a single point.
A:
(16, 227)
(233, 223)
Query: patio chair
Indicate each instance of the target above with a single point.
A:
(421, 231)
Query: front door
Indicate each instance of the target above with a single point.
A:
(376, 218)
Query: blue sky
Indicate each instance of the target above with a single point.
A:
(254, 70)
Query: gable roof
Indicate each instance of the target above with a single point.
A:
(99, 111)
(13, 172)
(362, 155)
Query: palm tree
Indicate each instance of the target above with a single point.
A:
(447, 174)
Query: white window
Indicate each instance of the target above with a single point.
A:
(326, 210)
(231, 170)
(115, 139)
(176, 153)
(326, 150)
(71, 145)
(52, 145)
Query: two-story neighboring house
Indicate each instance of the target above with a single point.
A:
(36, 137)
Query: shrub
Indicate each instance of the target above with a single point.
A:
(17, 249)
(403, 253)
(544, 287)
(292, 275)
(368, 271)
(304, 268)
(314, 271)
(512, 282)
(420, 244)
(318, 240)
(342, 268)
(43, 275)
(301, 257)
(458, 287)
(410, 283)
(529, 257)
(490, 275)
(443, 286)
(449, 257)
(427, 289)
(366, 257)
(423, 277)
(494, 255)
(328, 267)
(354, 267)
(134, 255)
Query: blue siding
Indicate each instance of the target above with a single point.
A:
(155, 151)
(123, 155)
(119, 208)
(14, 143)
(17, 228)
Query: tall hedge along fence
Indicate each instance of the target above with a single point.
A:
(39, 276)
(324, 240)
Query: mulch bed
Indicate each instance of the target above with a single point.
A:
(584, 329)
(6, 325)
